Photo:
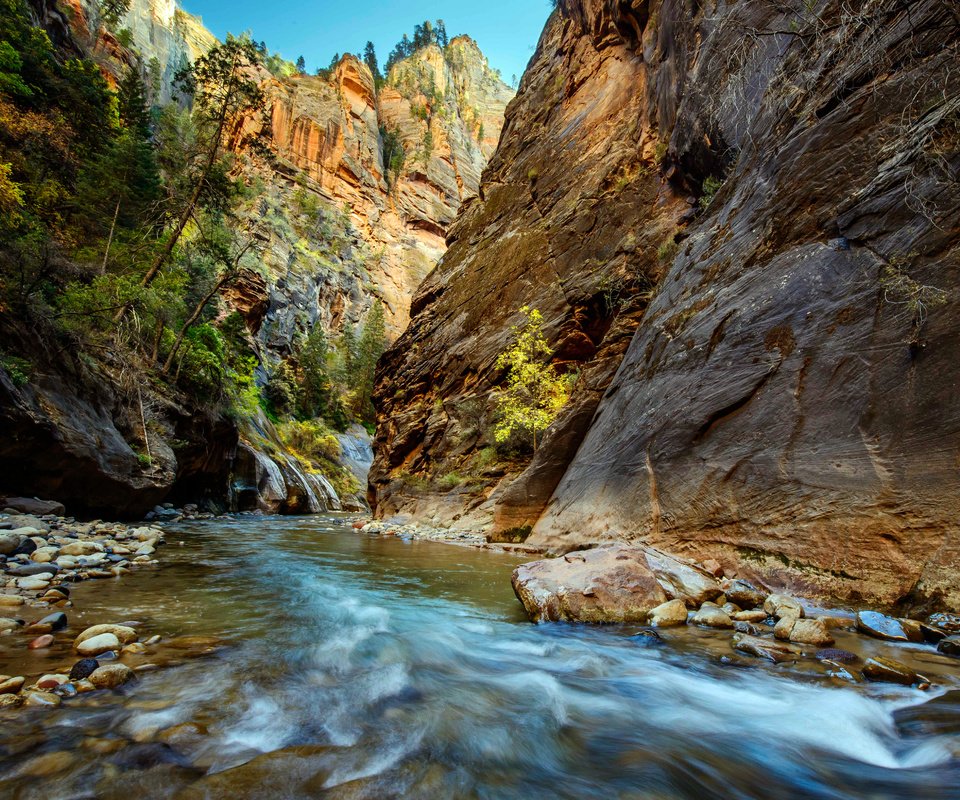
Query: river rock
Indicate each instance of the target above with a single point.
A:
(31, 505)
(9, 623)
(34, 582)
(81, 548)
(95, 645)
(810, 631)
(46, 764)
(888, 670)
(752, 615)
(744, 594)
(781, 605)
(949, 646)
(10, 700)
(41, 642)
(784, 627)
(26, 547)
(673, 612)
(682, 579)
(606, 584)
(11, 600)
(18, 521)
(9, 542)
(10, 685)
(712, 616)
(33, 568)
(948, 623)
(52, 681)
(57, 621)
(41, 699)
(741, 626)
(881, 626)
(83, 668)
(123, 633)
(110, 676)
(835, 654)
(763, 648)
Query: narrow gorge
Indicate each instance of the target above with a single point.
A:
(374, 426)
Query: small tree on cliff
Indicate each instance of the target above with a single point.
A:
(535, 393)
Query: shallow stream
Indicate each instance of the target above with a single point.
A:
(359, 666)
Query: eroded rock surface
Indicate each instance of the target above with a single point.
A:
(761, 200)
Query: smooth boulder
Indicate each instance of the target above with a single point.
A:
(949, 646)
(110, 676)
(607, 584)
(673, 612)
(712, 616)
(880, 626)
(888, 670)
(781, 605)
(744, 594)
(124, 633)
(95, 645)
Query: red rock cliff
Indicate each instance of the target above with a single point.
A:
(741, 221)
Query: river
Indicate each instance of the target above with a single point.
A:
(359, 666)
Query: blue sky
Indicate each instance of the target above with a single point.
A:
(507, 30)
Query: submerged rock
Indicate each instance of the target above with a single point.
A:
(764, 648)
(607, 584)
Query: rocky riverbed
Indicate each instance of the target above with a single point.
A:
(644, 586)
(49, 650)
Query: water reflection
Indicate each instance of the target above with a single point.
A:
(367, 667)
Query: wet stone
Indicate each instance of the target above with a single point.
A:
(836, 654)
(949, 623)
(881, 626)
(781, 605)
(83, 668)
(744, 594)
(57, 621)
(949, 646)
(888, 670)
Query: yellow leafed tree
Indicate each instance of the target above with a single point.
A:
(534, 393)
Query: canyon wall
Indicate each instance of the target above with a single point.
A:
(337, 229)
(740, 222)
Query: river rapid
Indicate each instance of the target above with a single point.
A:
(360, 666)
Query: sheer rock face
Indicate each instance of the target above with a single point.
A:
(328, 133)
(788, 402)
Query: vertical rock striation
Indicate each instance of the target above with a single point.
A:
(762, 201)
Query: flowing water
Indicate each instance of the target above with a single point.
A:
(365, 667)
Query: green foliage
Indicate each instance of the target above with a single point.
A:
(711, 186)
(18, 369)
(535, 393)
(393, 155)
(668, 249)
(112, 12)
(281, 390)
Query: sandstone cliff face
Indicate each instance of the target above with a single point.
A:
(337, 230)
(327, 136)
(788, 401)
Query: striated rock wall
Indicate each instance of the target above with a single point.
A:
(762, 201)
